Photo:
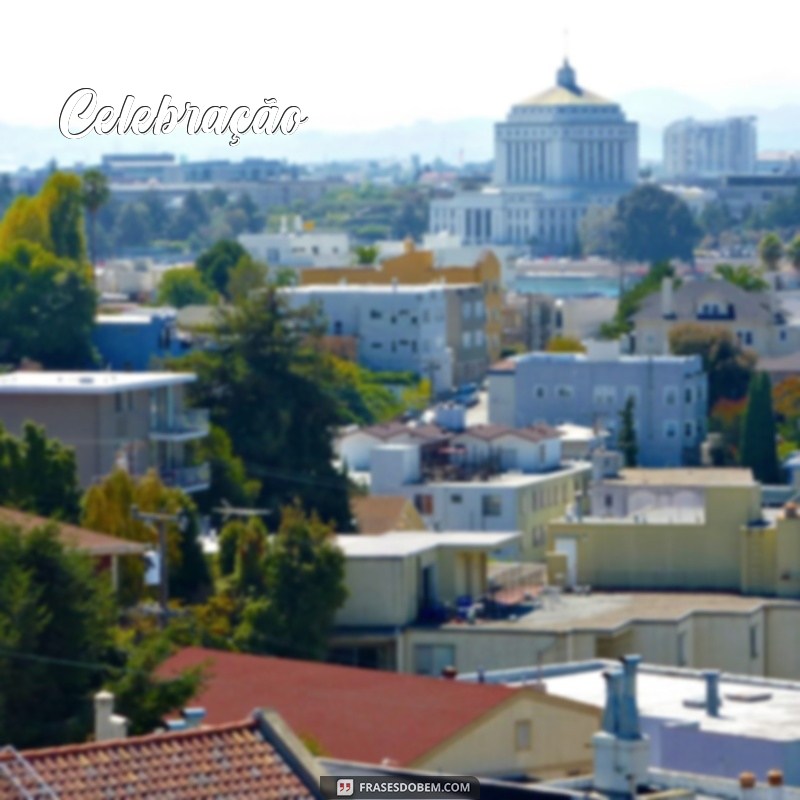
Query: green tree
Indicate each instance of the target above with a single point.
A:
(627, 441)
(304, 587)
(742, 276)
(55, 617)
(47, 308)
(366, 254)
(25, 221)
(141, 696)
(229, 538)
(38, 475)
(793, 252)
(217, 263)
(653, 225)
(62, 200)
(631, 300)
(728, 365)
(770, 250)
(759, 446)
(246, 277)
(108, 508)
(95, 194)
(596, 231)
(263, 381)
(184, 286)
(133, 227)
(565, 344)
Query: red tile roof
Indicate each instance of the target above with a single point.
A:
(231, 761)
(91, 542)
(356, 714)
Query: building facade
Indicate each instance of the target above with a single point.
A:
(556, 154)
(707, 149)
(134, 421)
(669, 392)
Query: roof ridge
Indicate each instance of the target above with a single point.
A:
(71, 749)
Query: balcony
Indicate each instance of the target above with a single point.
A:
(196, 478)
(181, 426)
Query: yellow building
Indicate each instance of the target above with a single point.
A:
(419, 267)
(700, 529)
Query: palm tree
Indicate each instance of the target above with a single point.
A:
(95, 195)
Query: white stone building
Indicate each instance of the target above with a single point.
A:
(556, 154)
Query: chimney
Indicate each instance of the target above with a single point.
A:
(775, 784)
(713, 702)
(621, 752)
(747, 785)
(107, 724)
(194, 716)
(449, 673)
(667, 305)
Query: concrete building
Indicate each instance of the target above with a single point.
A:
(135, 421)
(403, 328)
(529, 320)
(136, 340)
(755, 319)
(419, 267)
(298, 248)
(693, 148)
(697, 721)
(556, 154)
(670, 396)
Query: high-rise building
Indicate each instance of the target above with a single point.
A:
(556, 154)
(695, 149)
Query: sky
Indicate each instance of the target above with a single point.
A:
(353, 65)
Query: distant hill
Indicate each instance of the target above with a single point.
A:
(779, 129)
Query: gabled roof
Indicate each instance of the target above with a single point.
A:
(391, 430)
(749, 306)
(91, 542)
(360, 714)
(533, 433)
(380, 513)
(245, 759)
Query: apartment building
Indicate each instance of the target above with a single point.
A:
(136, 421)
(669, 393)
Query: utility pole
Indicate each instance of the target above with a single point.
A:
(161, 521)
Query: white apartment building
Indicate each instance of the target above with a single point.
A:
(397, 328)
(707, 149)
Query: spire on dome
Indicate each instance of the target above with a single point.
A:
(566, 76)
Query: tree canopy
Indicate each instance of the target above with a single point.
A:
(759, 444)
(55, 618)
(216, 264)
(770, 250)
(631, 300)
(38, 474)
(266, 382)
(184, 286)
(654, 225)
(747, 278)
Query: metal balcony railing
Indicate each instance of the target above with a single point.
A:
(188, 422)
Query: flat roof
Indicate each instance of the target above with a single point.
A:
(377, 288)
(514, 480)
(662, 691)
(704, 476)
(47, 382)
(400, 544)
(610, 611)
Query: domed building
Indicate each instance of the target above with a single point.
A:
(557, 153)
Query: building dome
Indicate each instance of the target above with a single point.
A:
(566, 92)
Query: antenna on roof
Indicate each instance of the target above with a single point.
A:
(566, 44)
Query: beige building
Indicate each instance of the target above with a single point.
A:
(137, 421)
(754, 319)
(690, 529)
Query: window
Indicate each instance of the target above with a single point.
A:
(670, 429)
(745, 337)
(688, 394)
(377, 345)
(375, 314)
(609, 501)
(632, 391)
(605, 395)
(670, 395)
(118, 407)
(564, 391)
(754, 651)
(492, 505)
(522, 735)
(431, 659)
(688, 430)
(682, 660)
(424, 503)
(455, 498)
(539, 392)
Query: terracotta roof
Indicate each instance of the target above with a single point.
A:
(507, 365)
(91, 542)
(236, 760)
(533, 433)
(392, 429)
(378, 513)
(358, 714)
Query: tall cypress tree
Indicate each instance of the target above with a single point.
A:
(626, 441)
(758, 448)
